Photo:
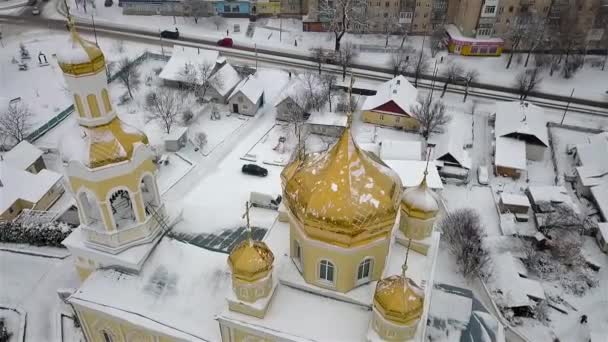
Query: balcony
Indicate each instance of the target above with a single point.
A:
(119, 240)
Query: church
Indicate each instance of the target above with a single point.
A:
(350, 258)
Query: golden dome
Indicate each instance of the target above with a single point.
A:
(251, 260)
(290, 169)
(110, 143)
(343, 196)
(419, 201)
(81, 56)
(399, 299)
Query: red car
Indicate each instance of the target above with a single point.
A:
(225, 42)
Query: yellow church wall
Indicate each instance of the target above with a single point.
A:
(83, 272)
(250, 292)
(94, 323)
(384, 119)
(346, 260)
(390, 331)
(416, 228)
(247, 310)
(237, 334)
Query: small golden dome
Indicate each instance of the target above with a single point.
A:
(399, 299)
(343, 196)
(110, 143)
(250, 260)
(81, 56)
(420, 201)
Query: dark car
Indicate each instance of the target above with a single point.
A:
(225, 42)
(108, 3)
(254, 170)
(170, 34)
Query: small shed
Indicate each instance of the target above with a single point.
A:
(510, 157)
(513, 203)
(400, 150)
(602, 236)
(177, 139)
(328, 123)
(26, 157)
(247, 97)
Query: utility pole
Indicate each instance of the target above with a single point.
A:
(94, 29)
(162, 49)
(567, 106)
(256, 56)
(280, 28)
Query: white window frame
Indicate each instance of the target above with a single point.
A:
(370, 268)
(327, 264)
(489, 10)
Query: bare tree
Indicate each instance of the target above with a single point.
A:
(570, 36)
(400, 60)
(200, 140)
(521, 31)
(314, 92)
(572, 65)
(218, 21)
(200, 78)
(464, 235)
(329, 82)
(110, 69)
(537, 37)
(296, 118)
(129, 74)
(452, 74)
(342, 15)
(319, 56)
(164, 106)
(469, 77)
(345, 56)
(16, 121)
(437, 40)
(420, 65)
(195, 9)
(431, 116)
(526, 81)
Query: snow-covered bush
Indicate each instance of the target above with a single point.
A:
(5, 335)
(464, 234)
(200, 139)
(43, 234)
(187, 117)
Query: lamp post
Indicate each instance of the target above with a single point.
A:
(94, 29)
(567, 106)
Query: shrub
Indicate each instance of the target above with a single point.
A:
(187, 117)
(43, 234)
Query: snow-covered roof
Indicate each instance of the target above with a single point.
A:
(399, 90)
(327, 119)
(228, 77)
(550, 194)
(593, 159)
(514, 199)
(176, 133)
(16, 184)
(450, 145)
(454, 32)
(400, 149)
(510, 153)
(175, 293)
(183, 55)
(603, 229)
(411, 173)
(251, 87)
(514, 289)
(510, 227)
(296, 87)
(23, 155)
(600, 197)
(522, 120)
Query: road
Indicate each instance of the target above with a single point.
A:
(305, 61)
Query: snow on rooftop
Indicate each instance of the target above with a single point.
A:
(600, 197)
(603, 229)
(411, 172)
(506, 279)
(73, 52)
(514, 199)
(252, 87)
(510, 153)
(23, 155)
(328, 119)
(176, 133)
(178, 292)
(521, 118)
(400, 149)
(399, 90)
(451, 306)
(451, 143)
(18, 184)
(295, 87)
(228, 77)
(183, 55)
(549, 194)
(593, 161)
(455, 33)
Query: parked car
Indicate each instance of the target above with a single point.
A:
(108, 3)
(35, 10)
(482, 175)
(262, 200)
(170, 34)
(254, 170)
(225, 42)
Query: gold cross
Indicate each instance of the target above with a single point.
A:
(246, 215)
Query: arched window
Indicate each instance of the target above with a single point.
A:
(122, 209)
(106, 336)
(364, 270)
(93, 106)
(106, 100)
(326, 271)
(90, 210)
(78, 104)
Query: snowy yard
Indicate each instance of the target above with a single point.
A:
(171, 173)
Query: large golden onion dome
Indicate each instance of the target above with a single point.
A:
(343, 196)
(250, 260)
(81, 56)
(399, 299)
(419, 201)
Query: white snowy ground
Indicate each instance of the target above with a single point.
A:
(31, 283)
(588, 83)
